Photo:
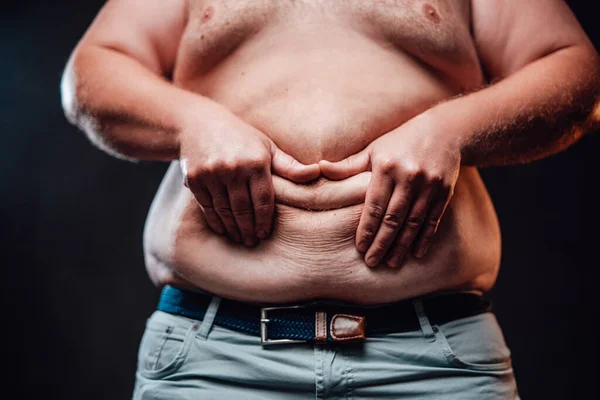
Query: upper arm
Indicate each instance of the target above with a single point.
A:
(146, 30)
(510, 34)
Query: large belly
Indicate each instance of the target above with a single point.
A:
(312, 254)
(320, 102)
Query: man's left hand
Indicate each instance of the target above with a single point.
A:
(414, 171)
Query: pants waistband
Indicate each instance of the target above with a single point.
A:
(317, 321)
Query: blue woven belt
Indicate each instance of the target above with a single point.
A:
(299, 323)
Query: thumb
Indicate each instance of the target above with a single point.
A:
(347, 167)
(288, 167)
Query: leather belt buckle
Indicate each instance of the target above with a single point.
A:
(264, 320)
(342, 327)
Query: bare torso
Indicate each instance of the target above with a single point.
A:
(323, 80)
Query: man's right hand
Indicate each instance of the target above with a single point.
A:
(227, 165)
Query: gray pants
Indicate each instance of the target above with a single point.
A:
(181, 358)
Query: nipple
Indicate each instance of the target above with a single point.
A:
(431, 13)
(208, 13)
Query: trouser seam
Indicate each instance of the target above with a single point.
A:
(349, 376)
(319, 373)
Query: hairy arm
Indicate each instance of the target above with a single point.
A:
(116, 86)
(546, 84)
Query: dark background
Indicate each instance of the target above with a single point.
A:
(75, 294)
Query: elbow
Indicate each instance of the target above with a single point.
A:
(68, 92)
(582, 106)
(591, 120)
(78, 110)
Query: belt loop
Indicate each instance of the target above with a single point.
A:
(209, 317)
(426, 328)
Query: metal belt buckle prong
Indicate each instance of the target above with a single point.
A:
(264, 340)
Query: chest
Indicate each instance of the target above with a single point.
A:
(435, 31)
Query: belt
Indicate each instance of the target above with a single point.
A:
(320, 321)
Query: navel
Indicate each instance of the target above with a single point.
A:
(431, 13)
(208, 13)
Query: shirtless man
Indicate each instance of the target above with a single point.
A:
(328, 150)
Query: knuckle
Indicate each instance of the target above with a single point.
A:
(413, 174)
(208, 208)
(435, 178)
(209, 167)
(414, 221)
(195, 175)
(231, 166)
(257, 164)
(216, 166)
(263, 208)
(242, 212)
(368, 233)
(433, 222)
(376, 211)
(392, 220)
(224, 212)
(387, 165)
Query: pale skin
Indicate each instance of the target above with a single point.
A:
(378, 114)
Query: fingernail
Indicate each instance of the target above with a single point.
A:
(363, 246)
(396, 260)
(420, 253)
(392, 261)
(262, 234)
(372, 261)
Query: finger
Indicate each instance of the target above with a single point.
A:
(410, 228)
(204, 198)
(242, 209)
(349, 166)
(288, 167)
(327, 196)
(432, 221)
(220, 199)
(376, 201)
(391, 223)
(263, 201)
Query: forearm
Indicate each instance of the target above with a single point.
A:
(126, 109)
(538, 111)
